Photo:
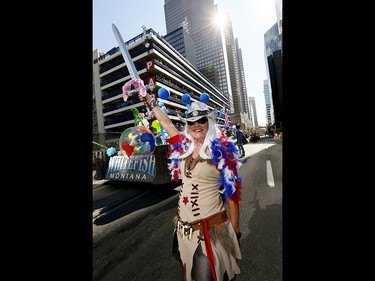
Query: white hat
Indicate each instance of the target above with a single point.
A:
(196, 111)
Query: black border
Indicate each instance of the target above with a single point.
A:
(51, 186)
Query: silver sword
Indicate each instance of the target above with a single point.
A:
(125, 53)
(129, 63)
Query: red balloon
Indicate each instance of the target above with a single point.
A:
(129, 149)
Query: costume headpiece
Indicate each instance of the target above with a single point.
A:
(196, 111)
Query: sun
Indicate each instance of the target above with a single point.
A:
(219, 19)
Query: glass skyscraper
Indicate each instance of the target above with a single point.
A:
(199, 20)
(218, 54)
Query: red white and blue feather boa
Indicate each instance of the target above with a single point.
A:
(224, 155)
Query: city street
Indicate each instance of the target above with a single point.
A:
(133, 223)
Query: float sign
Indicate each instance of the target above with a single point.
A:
(138, 168)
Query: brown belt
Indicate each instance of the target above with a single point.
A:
(215, 219)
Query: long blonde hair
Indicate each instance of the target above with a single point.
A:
(212, 134)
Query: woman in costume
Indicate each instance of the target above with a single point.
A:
(208, 163)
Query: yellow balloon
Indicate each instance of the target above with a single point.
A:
(155, 124)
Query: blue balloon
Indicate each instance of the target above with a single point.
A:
(185, 98)
(161, 104)
(163, 93)
(150, 139)
(204, 97)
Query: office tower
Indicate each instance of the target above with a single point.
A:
(267, 98)
(218, 54)
(234, 65)
(272, 41)
(183, 43)
(275, 78)
(199, 20)
(248, 116)
(273, 55)
(279, 14)
(254, 111)
(243, 91)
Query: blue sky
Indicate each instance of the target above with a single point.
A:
(250, 20)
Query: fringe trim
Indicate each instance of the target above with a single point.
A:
(219, 233)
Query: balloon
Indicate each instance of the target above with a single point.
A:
(161, 104)
(204, 98)
(111, 151)
(163, 93)
(165, 109)
(185, 98)
(188, 106)
(155, 124)
(137, 141)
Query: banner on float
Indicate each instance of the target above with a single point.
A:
(139, 168)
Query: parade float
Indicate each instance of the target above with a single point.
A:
(139, 158)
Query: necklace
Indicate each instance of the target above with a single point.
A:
(190, 164)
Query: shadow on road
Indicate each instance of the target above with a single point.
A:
(262, 250)
(124, 201)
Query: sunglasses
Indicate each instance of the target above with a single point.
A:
(202, 121)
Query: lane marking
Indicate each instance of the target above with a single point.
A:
(270, 180)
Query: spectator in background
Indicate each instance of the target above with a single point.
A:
(104, 165)
(97, 166)
(240, 136)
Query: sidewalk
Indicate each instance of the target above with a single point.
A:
(97, 183)
(253, 148)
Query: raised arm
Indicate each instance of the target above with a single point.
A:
(163, 118)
